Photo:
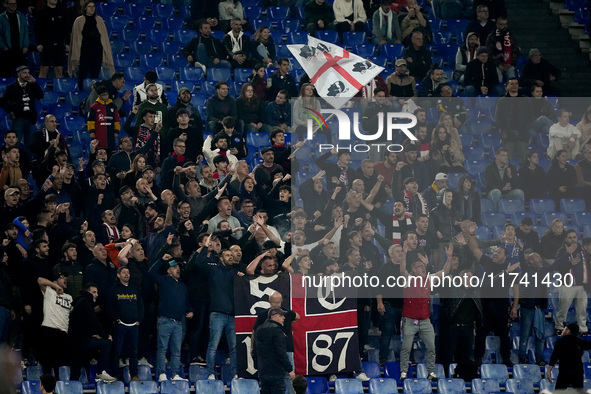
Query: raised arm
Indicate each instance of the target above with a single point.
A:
(45, 283)
(251, 268)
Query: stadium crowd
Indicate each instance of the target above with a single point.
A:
(131, 251)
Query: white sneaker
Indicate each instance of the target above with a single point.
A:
(123, 363)
(235, 377)
(177, 377)
(332, 378)
(162, 377)
(144, 361)
(105, 377)
(402, 375)
(432, 377)
(197, 64)
(93, 361)
(363, 377)
(211, 377)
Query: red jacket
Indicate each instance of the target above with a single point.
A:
(416, 300)
(103, 120)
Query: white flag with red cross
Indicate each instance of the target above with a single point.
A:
(336, 73)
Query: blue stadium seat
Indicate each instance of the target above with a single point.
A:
(296, 37)
(474, 152)
(493, 218)
(208, 87)
(381, 61)
(258, 138)
(550, 342)
(288, 25)
(192, 74)
(133, 10)
(328, 35)
(197, 372)
(509, 206)
(474, 167)
(50, 98)
(548, 217)
(546, 385)
(453, 178)
(527, 371)
(65, 85)
(75, 98)
(242, 74)
(34, 372)
(143, 372)
(145, 22)
(300, 14)
(107, 10)
(423, 373)
(278, 36)
(485, 386)
(116, 23)
(451, 386)
(392, 370)
(31, 387)
(87, 84)
(519, 386)
(417, 386)
(162, 10)
(172, 23)
(483, 233)
(517, 217)
(364, 50)
(198, 99)
(156, 36)
(278, 13)
(448, 53)
(110, 388)
(209, 387)
(69, 387)
(150, 61)
(494, 371)
(319, 385)
(252, 12)
(176, 85)
(486, 205)
(133, 73)
(176, 61)
(244, 386)
(74, 123)
(174, 387)
(541, 205)
(123, 60)
(348, 386)
(382, 386)
(117, 47)
(371, 369)
(572, 205)
(143, 387)
(218, 74)
(218, 34)
(354, 37)
(169, 47)
(441, 38)
(184, 36)
(165, 74)
(490, 140)
(587, 369)
(130, 35)
(582, 219)
(257, 23)
(139, 48)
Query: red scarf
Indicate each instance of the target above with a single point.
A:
(179, 158)
(507, 58)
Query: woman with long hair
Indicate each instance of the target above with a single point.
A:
(265, 46)
(532, 177)
(447, 121)
(446, 151)
(251, 110)
(561, 178)
(135, 171)
(466, 200)
(299, 119)
(258, 80)
(584, 127)
(90, 47)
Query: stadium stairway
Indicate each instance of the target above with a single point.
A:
(535, 26)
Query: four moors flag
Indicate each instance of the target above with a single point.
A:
(336, 73)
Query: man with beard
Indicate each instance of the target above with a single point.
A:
(153, 102)
(380, 105)
(466, 53)
(128, 211)
(224, 213)
(108, 232)
(502, 47)
(148, 133)
(410, 168)
(205, 50)
(397, 224)
(69, 265)
(162, 226)
(189, 128)
(97, 200)
(414, 201)
(221, 308)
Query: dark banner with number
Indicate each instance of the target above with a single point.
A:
(325, 337)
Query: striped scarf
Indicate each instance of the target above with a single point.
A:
(396, 234)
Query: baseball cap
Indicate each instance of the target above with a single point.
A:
(147, 168)
(275, 311)
(96, 163)
(269, 245)
(172, 263)
(441, 177)
(56, 275)
(400, 62)
(10, 191)
(22, 68)
(124, 188)
(183, 89)
(265, 150)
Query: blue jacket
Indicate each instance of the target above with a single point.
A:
(5, 38)
(173, 297)
(278, 114)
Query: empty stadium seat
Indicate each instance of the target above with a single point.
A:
(541, 205)
(278, 13)
(192, 74)
(123, 60)
(65, 85)
(69, 387)
(519, 386)
(156, 36)
(451, 386)
(143, 387)
(527, 371)
(176, 85)
(172, 23)
(509, 206)
(174, 387)
(139, 48)
(381, 386)
(546, 385)
(31, 387)
(364, 50)
(258, 138)
(483, 232)
(475, 167)
(318, 385)
(130, 35)
(485, 386)
(296, 37)
(218, 74)
(244, 386)
(423, 373)
(184, 35)
(143, 372)
(486, 205)
(289, 25)
(392, 51)
(197, 372)
(150, 61)
(474, 152)
(572, 205)
(494, 371)
(110, 388)
(133, 10)
(74, 123)
(371, 369)
(165, 74)
(354, 37)
(582, 219)
(34, 372)
(162, 10)
(493, 218)
(328, 35)
(116, 23)
(417, 386)
(587, 369)
(392, 370)
(145, 22)
(209, 387)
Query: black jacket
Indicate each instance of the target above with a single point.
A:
(481, 74)
(125, 304)
(84, 322)
(213, 47)
(270, 344)
(15, 98)
(568, 351)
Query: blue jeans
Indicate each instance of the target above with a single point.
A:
(170, 332)
(24, 129)
(218, 323)
(4, 323)
(495, 195)
(389, 325)
(125, 337)
(527, 328)
(248, 128)
(207, 61)
(288, 384)
(473, 91)
(540, 125)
